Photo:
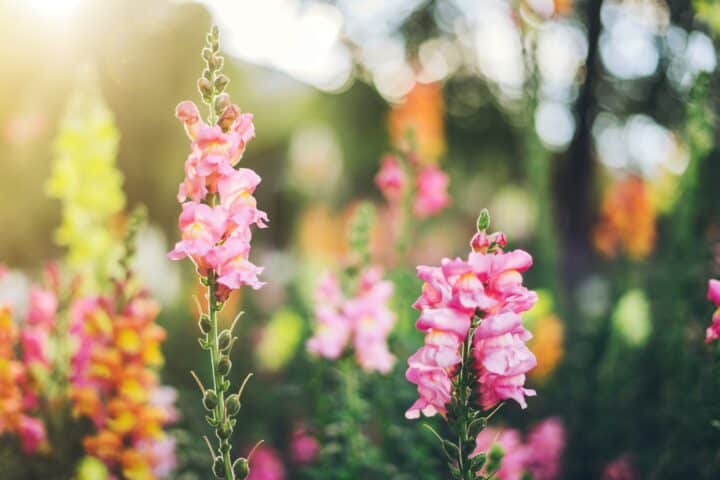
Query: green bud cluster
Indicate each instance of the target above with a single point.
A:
(360, 229)
(213, 82)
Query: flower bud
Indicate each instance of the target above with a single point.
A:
(224, 446)
(224, 431)
(232, 403)
(205, 87)
(206, 53)
(224, 340)
(215, 62)
(241, 467)
(210, 400)
(224, 366)
(219, 467)
(228, 117)
(480, 242)
(221, 82)
(222, 101)
(204, 324)
(483, 220)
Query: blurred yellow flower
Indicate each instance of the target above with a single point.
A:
(279, 340)
(547, 345)
(88, 184)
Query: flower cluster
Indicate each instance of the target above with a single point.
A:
(115, 383)
(365, 320)
(17, 398)
(219, 207)
(480, 300)
(627, 220)
(402, 177)
(540, 455)
(713, 331)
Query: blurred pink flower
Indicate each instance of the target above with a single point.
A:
(43, 307)
(32, 433)
(303, 446)
(540, 455)
(713, 331)
(265, 464)
(391, 178)
(431, 192)
(620, 469)
(365, 320)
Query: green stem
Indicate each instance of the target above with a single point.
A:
(462, 412)
(220, 410)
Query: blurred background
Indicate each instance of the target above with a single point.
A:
(586, 127)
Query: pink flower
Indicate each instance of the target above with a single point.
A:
(162, 456)
(515, 458)
(187, 112)
(34, 341)
(431, 192)
(713, 331)
(488, 285)
(265, 464)
(236, 196)
(365, 320)
(303, 447)
(540, 455)
(43, 307)
(32, 433)
(230, 262)
(546, 443)
(391, 179)
(202, 227)
(620, 469)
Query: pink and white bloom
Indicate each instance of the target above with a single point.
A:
(488, 285)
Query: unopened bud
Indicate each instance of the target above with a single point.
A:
(210, 400)
(224, 340)
(233, 405)
(224, 366)
(241, 467)
(222, 101)
(483, 221)
(205, 87)
(206, 54)
(224, 431)
(221, 82)
(228, 117)
(204, 324)
(215, 62)
(219, 467)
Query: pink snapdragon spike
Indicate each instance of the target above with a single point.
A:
(540, 454)
(402, 176)
(363, 321)
(487, 286)
(713, 331)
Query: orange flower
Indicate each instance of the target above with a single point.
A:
(627, 220)
(421, 115)
(547, 344)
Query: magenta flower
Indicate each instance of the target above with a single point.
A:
(713, 331)
(365, 320)
(43, 307)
